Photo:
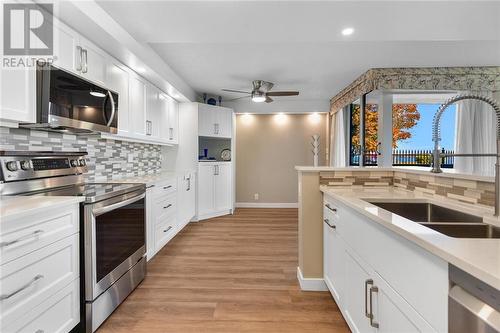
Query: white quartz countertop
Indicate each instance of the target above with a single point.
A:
(146, 179)
(16, 206)
(478, 257)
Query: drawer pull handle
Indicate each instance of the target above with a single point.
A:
(373, 323)
(20, 239)
(330, 208)
(167, 187)
(26, 286)
(168, 229)
(167, 206)
(39, 331)
(367, 282)
(327, 221)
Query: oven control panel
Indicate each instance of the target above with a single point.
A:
(19, 167)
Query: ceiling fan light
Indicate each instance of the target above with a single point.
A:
(258, 97)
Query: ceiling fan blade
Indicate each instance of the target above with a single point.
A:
(236, 91)
(268, 99)
(283, 93)
(234, 99)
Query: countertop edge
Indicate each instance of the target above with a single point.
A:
(32, 204)
(461, 263)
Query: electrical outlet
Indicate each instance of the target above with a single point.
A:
(130, 158)
(256, 196)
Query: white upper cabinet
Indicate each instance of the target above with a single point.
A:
(173, 121)
(153, 111)
(137, 105)
(18, 95)
(215, 121)
(93, 66)
(66, 54)
(78, 55)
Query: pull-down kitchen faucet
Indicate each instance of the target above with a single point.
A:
(436, 137)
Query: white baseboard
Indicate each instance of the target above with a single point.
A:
(310, 284)
(267, 204)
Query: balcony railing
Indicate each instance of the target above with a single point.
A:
(403, 157)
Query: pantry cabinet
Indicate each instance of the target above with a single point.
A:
(214, 189)
(381, 282)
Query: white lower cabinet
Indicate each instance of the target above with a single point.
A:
(381, 282)
(39, 271)
(214, 189)
(162, 214)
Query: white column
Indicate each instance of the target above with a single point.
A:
(385, 129)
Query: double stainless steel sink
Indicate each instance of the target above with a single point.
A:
(447, 221)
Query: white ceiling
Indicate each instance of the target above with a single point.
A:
(298, 44)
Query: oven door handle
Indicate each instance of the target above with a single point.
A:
(106, 209)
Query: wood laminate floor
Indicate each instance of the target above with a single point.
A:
(229, 274)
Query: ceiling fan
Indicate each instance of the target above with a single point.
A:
(261, 92)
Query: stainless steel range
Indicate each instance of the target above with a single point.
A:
(112, 231)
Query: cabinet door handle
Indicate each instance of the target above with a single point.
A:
(367, 282)
(171, 133)
(167, 206)
(330, 208)
(26, 286)
(167, 187)
(80, 55)
(327, 221)
(85, 67)
(373, 323)
(22, 238)
(188, 184)
(215, 128)
(168, 229)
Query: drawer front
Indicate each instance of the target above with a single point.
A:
(165, 187)
(166, 205)
(27, 234)
(58, 314)
(28, 281)
(165, 230)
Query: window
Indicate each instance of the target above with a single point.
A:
(411, 134)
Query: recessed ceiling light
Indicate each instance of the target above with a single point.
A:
(347, 31)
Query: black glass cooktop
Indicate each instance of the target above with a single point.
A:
(93, 191)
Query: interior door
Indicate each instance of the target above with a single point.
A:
(206, 191)
(223, 187)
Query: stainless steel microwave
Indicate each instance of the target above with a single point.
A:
(68, 103)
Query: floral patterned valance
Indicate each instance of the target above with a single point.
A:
(432, 78)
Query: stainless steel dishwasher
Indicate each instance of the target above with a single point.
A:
(473, 306)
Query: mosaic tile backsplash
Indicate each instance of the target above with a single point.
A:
(106, 159)
(463, 190)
